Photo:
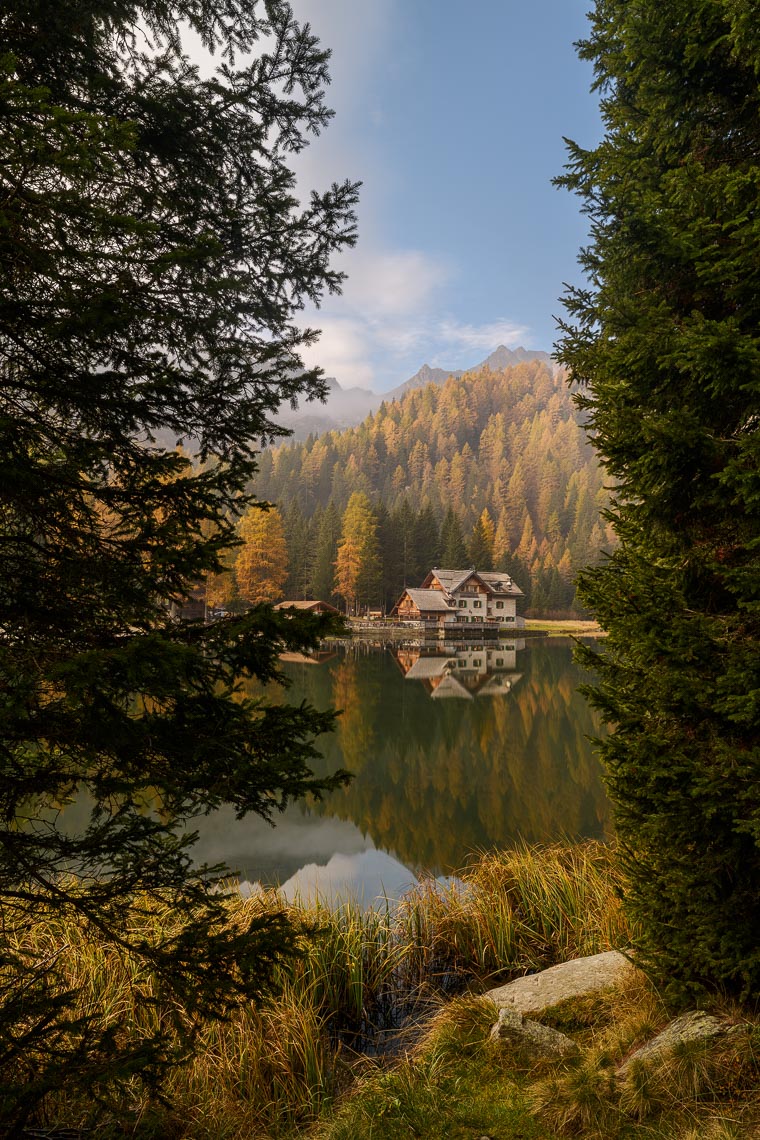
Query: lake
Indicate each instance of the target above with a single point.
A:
(454, 749)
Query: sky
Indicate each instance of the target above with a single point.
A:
(452, 116)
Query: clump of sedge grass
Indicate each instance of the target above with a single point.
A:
(672, 1094)
(514, 911)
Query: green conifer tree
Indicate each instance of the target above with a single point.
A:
(153, 258)
(665, 344)
(388, 548)
(453, 550)
(322, 579)
(480, 545)
(427, 542)
(300, 541)
(404, 520)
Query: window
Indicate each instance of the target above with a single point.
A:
(477, 605)
(499, 605)
(499, 660)
(462, 603)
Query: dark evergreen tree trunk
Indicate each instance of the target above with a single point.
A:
(665, 344)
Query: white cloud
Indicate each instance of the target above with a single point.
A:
(385, 312)
(396, 309)
(343, 351)
(393, 283)
(386, 323)
(365, 878)
(484, 337)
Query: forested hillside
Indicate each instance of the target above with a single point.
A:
(491, 468)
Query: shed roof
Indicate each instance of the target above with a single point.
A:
(307, 604)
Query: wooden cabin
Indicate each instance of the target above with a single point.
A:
(460, 597)
(478, 595)
(428, 606)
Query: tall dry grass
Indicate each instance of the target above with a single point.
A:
(361, 975)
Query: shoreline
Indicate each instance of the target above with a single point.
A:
(564, 627)
(549, 627)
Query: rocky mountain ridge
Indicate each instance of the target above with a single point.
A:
(347, 407)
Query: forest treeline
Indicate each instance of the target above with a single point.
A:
(491, 469)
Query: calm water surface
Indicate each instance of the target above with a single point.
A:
(454, 750)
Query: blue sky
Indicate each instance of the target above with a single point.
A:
(452, 116)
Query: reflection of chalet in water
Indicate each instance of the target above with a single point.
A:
(466, 674)
(461, 597)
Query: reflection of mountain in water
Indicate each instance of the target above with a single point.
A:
(256, 851)
(461, 673)
(438, 779)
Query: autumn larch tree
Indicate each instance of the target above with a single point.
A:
(261, 566)
(664, 340)
(153, 255)
(357, 566)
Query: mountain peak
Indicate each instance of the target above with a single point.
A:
(503, 357)
(346, 406)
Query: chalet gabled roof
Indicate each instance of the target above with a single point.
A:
(451, 686)
(500, 582)
(450, 579)
(496, 582)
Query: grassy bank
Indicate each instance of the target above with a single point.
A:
(377, 1031)
(281, 1068)
(564, 627)
(458, 1084)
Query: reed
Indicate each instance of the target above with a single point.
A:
(360, 976)
(514, 911)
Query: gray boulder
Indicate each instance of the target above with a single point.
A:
(694, 1026)
(572, 979)
(538, 1040)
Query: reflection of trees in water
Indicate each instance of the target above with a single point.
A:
(436, 780)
